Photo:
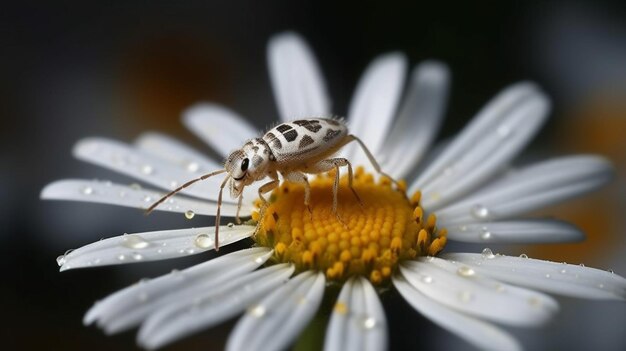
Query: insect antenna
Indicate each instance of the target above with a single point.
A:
(173, 192)
(218, 214)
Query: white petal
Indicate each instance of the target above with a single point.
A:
(558, 278)
(478, 333)
(488, 143)
(298, 85)
(358, 319)
(205, 306)
(221, 128)
(520, 231)
(176, 152)
(374, 105)
(146, 167)
(419, 119)
(529, 189)
(132, 196)
(463, 288)
(151, 246)
(128, 307)
(278, 319)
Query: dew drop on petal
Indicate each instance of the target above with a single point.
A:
(601, 286)
(134, 241)
(611, 271)
(174, 184)
(480, 211)
(523, 255)
(61, 260)
(487, 253)
(563, 271)
(368, 322)
(203, 241)
(582, 264)
(189, 214)
(230, 225)
(192, 167)
(465, 271)
(147, 198)
(147, 169)
(548, 275)
(121, 257)
(485, 234)
(257, 311)
(427, 279)
(137, 256)
(87, 190)
(258, 260)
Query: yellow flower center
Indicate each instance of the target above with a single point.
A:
(367, 238)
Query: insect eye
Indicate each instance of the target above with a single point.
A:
(244, 164)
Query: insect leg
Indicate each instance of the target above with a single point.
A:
(298, 177)
(369, 155)
(267, 187)
(237, 219)
(326, 165)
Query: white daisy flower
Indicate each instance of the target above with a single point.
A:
(393, 241)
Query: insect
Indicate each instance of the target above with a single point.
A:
(291, 150)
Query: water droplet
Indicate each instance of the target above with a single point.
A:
(147, 198)
(548, 275)
(147, 169)
(487, 253)
(563, 271)
(174, 184)
(61, 260)
(427, 279)
(601, 286)
(134, 241)
(230, 225)
(582, 264)
(160, 251)
(369, 322)
(465, 271)
(121, 257)
(137, 256)
(480, 211)
(257, 311)
(189, 214)
(258, 260)
(192, 167)
(190, 251)
(465, 296)
(485, 234)
(87, 190)
(504, 131)
(523, 256)
(611, 271)
(203, 241)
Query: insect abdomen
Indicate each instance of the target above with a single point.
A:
(304, 138)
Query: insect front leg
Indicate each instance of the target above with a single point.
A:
(327, 165)
(265, 188)
(301, 178)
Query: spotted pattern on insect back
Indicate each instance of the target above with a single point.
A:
(290, 135)
(312, 125)
(331, 134)
(283, 128)
(305, 141)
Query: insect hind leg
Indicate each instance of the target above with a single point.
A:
(370, 157)
(327, 165)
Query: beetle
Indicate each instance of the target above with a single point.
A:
(291, 150)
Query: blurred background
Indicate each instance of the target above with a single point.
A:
(76, 69)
